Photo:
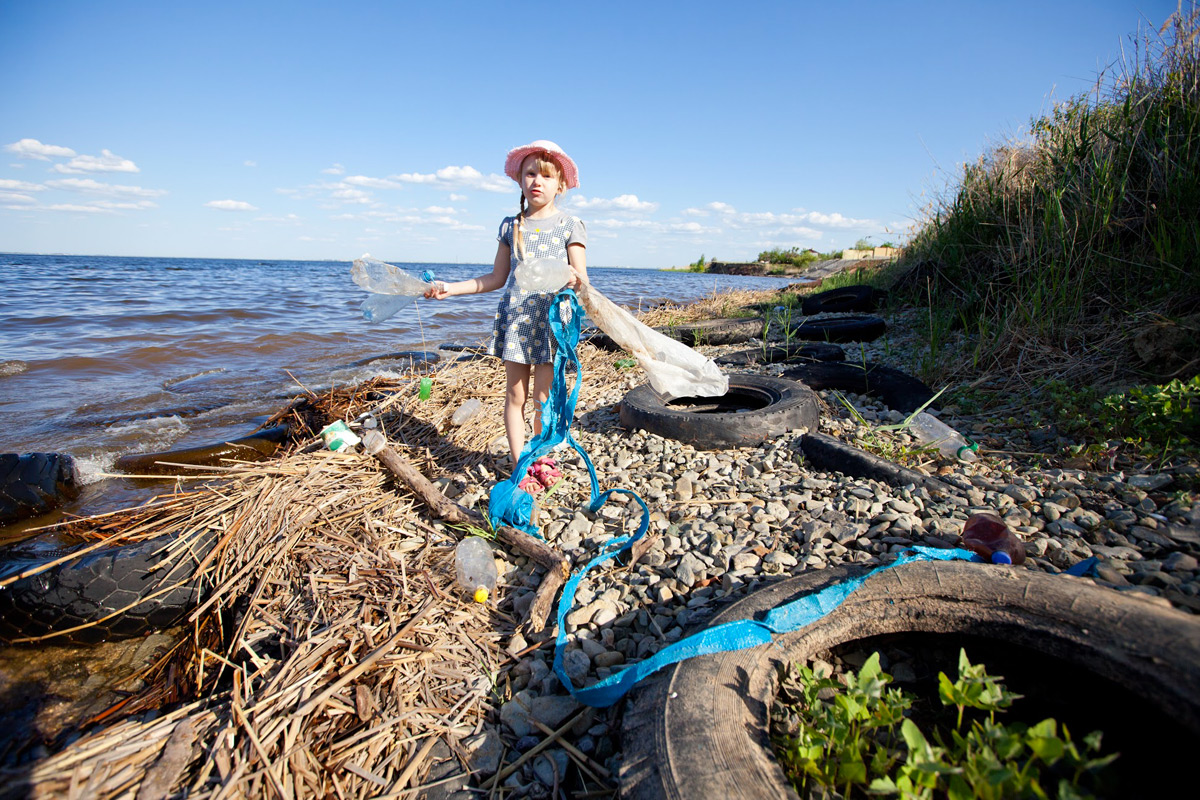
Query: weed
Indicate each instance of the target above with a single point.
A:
(860, 736)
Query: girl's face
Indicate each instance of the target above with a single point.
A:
(540, 183)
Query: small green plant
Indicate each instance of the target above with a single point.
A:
(1154, 421)
(859, 738)
(625, 363)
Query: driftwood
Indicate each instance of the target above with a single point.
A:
(556, 564)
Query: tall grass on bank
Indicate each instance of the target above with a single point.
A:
(1059, 251)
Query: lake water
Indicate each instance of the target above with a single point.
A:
(102, 356)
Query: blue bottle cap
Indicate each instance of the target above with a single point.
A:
(1001, 557)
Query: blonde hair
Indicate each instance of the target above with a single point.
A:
(549, 167)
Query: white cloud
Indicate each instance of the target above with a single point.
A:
(457, 198)
(14, 197)
(349, 195)
(286, 219)
(440, 210)
(230, 205)
(140, 205)
(89, 186)
(249, 163)
(372, 183)
(336, 169)
(93, 209)
(453, 177)
(625, 202)
(20, 186)
(107, 161)
(834, 220)
(32, 148)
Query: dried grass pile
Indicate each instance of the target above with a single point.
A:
(331, 652)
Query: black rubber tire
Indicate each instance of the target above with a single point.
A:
(809, 351)
(699, 729)
(155, 580)
(715, 331)
(834, 455)
(840, 329)
(415, 358)
(897, 389)
(255, 447)
(859, 297)
(34, 483)
(775, 406)
(599, 339)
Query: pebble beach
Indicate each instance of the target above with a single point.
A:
(727, 522)
(722, 524)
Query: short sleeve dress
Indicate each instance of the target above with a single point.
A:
(521, 331)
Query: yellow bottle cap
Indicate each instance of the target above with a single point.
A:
(481, 594)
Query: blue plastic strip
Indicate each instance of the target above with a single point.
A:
(729, 636)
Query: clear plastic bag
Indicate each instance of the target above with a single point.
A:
(393, 289)
(673, 368)
(543, 274)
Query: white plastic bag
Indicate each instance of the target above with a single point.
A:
(393, 288)
(543, 274)
(674, 369)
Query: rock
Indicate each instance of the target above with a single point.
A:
(550, 767)
(483, 751)
(550, 710)
(1181, 562)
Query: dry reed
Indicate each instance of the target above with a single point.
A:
(331, 651)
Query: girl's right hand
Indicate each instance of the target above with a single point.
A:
(437, 291)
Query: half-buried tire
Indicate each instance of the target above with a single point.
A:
(897, 389)
(112, 592)
(255, 447)
(840, 329)
(700, 728)
(810, 351)
(715, 331)
(756, 408)
(859, 297)
(34, 483)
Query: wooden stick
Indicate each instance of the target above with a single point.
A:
(556, 564)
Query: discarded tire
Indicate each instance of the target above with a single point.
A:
(756, 408)
(859, 297)
(34, 483)
(810, 351)
(113, 592)
(700, 728)
(840, 329)
(715, 331)
(897, 389)
(830, 454)
(255, 447)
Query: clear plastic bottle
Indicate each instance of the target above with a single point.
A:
(543, 274)
(393, 288)
(990, 537)
(475, 568)
(949, 442)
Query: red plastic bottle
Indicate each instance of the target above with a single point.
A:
(989, 536)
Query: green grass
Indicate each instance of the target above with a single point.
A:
(1055, 251)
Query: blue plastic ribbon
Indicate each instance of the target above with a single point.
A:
(736, 635)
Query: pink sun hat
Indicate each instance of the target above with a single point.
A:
(512, 163)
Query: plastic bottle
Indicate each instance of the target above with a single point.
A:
(949, 442)
(543, 274)
(393, 288)
(989, 537)
(474, 568)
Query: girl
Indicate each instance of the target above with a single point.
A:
(521, 333)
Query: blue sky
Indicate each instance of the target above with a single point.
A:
(306, 130)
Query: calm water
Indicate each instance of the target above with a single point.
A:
(102, 356)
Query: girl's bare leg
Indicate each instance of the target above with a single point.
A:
(515, 394)
(543, 376)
